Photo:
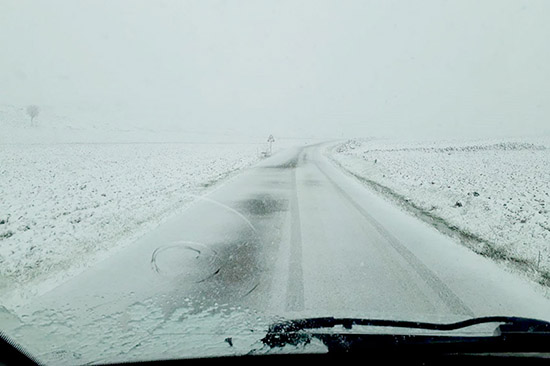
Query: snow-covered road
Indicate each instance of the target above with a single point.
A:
(293, 236)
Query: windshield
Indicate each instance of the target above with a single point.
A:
(177, 176)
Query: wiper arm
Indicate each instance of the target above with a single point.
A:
(300, 331)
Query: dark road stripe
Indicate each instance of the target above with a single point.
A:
(295, 286)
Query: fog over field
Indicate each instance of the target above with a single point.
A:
(220, 77)
(289, 68)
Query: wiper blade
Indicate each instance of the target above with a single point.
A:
(348, 323)
(300, 331)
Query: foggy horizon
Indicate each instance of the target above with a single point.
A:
(291, 68)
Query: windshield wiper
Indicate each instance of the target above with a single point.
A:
(513, 334)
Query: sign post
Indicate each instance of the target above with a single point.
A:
(270, 140)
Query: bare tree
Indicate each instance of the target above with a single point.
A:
(32, 111)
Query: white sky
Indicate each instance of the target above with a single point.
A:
(397, 68)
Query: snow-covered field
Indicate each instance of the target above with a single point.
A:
(493, 195)
(64, 206)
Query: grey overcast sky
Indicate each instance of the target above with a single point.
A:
(391, 68)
